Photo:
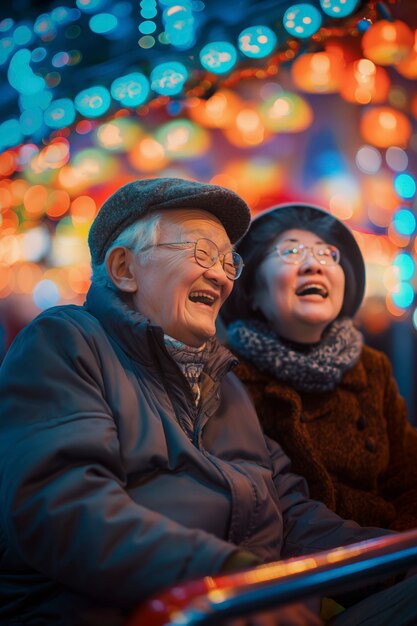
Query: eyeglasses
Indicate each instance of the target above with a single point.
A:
(295, 253)
(206, 254)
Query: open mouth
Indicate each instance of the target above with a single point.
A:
(313, 290)
(202, 297)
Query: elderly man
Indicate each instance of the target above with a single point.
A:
(131, 457)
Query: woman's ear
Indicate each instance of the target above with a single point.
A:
(120, 268)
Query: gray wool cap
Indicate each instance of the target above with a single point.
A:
(140, 197)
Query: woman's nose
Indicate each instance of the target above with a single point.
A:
(310, 263)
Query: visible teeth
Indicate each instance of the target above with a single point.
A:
(202, 296)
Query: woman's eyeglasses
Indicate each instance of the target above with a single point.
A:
(206, 254)
(296, 253)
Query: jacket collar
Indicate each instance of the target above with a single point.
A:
(140, 339)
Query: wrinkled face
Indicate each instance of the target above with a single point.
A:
(299, 300)
(173, 291)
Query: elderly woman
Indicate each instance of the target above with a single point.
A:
(327, 398)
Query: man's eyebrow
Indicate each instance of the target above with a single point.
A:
(198, 234)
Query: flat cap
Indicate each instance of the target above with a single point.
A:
(140, 197)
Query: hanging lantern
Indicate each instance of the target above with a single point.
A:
(384, 127)
(388, 43)
(408, 66)
(318, 72)
(364, 82)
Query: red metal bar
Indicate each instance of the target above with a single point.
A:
(210, 599)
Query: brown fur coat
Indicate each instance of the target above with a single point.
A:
(354, 445)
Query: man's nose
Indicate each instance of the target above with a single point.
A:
(216, 271)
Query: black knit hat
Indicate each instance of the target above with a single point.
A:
(265, 229)
(140, 197)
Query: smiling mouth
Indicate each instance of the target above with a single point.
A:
(202, 297)
(313, 290)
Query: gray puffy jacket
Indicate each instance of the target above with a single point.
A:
(106, 496)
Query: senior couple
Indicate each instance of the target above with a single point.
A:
(131, 456)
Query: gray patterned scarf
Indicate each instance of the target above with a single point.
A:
(191, 361)
(319, 367)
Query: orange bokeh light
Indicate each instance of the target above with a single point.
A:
(148, 155)
(83, 210)
(58, 203)
(318, 72)
(388, 43)
(35, 200)
(8, 163)
(364, 82)
(384, 127)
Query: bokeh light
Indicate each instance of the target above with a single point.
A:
(302, 20)
(404, 222)
(168, 79)
(93, 102)
(131, 90)
(338, 8)
(218, 57)
(405, 185)
(257, 41)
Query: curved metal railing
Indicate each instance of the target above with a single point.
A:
(212, 599)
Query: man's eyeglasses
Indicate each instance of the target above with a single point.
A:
(206, 254)
(295, 253)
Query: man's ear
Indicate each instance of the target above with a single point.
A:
(119, 265)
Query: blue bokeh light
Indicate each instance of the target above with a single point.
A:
(22, 35)
(338, 8)
(131, 90)
(6, 48)
(31, 121)
(45, 294)
(302, 20)
(147, 27)
(218, 57)
(91, 6)
(257, 41)
(405, 185)
(45, 27)
(168, 79)
(38, 54)
(103, 23)
(62, 15)
(42, 99)
(149, 14)
(21, 76)
(6, 24)
(404, 296)
(405, 264)
(404, 222)
(60, 113)
(93, 102)
(10, 134)
(179, 24)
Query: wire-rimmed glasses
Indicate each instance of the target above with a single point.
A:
(295, 253)
(206, 254)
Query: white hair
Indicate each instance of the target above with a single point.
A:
(136, 236)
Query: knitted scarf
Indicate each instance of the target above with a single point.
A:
(190, 360)
(319, 367)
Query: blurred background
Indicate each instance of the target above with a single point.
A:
(279, 100)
